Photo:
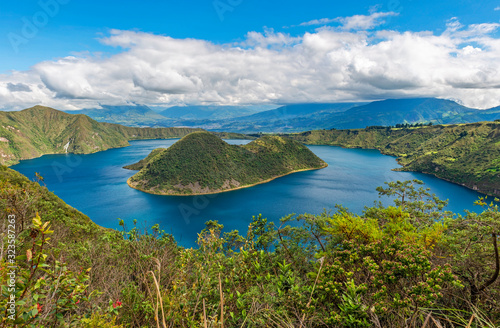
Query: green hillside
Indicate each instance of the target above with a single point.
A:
(202, 163)
(406, 265)
(467, 154)
(40, 130)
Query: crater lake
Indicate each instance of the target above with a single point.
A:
(96, 184)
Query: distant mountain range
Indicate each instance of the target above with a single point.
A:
(355, 116)
(127, 115)
(297, 117)
(188, 113)
(397, 111)
(140, 115)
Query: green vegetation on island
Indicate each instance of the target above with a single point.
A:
(406, 265)
(202, 163)
(466, 154)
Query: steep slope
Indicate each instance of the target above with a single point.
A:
(467, 154)
(42, 130)
(24, 198)
(202, 163)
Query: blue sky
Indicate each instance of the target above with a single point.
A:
(76, 29)
(77, 24)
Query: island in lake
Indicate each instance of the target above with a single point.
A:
(202, 163)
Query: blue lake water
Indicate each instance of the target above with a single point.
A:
(96, 185)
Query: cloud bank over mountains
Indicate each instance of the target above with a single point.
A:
(348, 62)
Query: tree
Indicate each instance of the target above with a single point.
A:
(423, 207)
(473, 246)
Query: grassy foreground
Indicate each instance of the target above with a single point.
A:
(407, 265)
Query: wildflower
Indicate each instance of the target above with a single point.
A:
(116, 304)
(38, 307)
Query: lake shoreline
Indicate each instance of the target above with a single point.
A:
(403, 168)
(226, 190)
(95, 184)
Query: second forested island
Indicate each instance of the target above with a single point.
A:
(202, 163)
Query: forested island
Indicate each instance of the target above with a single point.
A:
(202, 163)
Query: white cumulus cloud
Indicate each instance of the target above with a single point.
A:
(356, 22)
(365, 22)
(322, 21)
(350, 62)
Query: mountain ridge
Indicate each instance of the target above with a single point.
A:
(311, 116)
(138, 115)
(206, 112)
(465, 154)
(383, 112)
(40, 130)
